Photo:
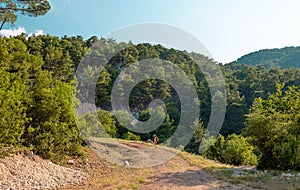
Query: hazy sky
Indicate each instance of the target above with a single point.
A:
(228, 28)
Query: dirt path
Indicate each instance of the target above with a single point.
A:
(131, 154)
(176, 173)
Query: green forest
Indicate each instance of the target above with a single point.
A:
(38, 91)
(283, 58)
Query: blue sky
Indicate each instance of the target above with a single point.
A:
(229, 29)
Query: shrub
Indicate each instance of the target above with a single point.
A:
(235, 150)
(273, 127)
(131, 136)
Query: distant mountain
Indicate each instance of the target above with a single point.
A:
(284, 58)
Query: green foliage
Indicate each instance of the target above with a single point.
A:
(214, 152)
(131, 136)
(273, 126)
(99, 124)
(52, 130)
(37, 73)
(88, 125)
(13, 92)
(36, 109)
(244, 84)
(193, 145)
(107, 122)
(238, 151)
(235, 150)
(284, 58)
(10, 8)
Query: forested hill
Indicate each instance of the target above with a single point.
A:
(37, 75)
(284, 58)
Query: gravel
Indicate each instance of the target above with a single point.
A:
(20, 172)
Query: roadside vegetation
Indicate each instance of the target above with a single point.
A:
(38, 92)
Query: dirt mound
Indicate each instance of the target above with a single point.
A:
(32, 172)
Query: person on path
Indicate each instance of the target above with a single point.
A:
(155, 140)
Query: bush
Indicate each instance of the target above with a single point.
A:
(235, 150)
(52, 132)
(214, 152)
(131, 136)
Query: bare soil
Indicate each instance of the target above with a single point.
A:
(111, 164)
(176, 173)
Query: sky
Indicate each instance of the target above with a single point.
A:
(229, 29)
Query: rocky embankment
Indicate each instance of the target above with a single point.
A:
(21, 172)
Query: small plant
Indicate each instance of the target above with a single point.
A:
(134, 186)
(181, 148)
(141, 179)
(122, 186)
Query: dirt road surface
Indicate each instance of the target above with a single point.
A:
(153, 168)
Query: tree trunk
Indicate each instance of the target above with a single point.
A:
(3, 22)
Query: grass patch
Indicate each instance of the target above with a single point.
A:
(122, 187)
(134, 186)
(199, 161)
(269, 180)
(106, 182)
(141, 179)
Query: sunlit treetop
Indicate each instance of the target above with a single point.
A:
(10, 8)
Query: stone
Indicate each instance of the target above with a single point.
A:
(126, 163)
(39, 174)
(286, 175)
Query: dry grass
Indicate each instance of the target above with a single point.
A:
(269, 180)
(202, 162)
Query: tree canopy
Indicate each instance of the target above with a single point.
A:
(37, 75)
(273, 127)
(283, 58)
(9, 9)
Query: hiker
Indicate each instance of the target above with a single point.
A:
(155, 140)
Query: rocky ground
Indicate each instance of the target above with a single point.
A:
(20, 172)
(136, 165)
